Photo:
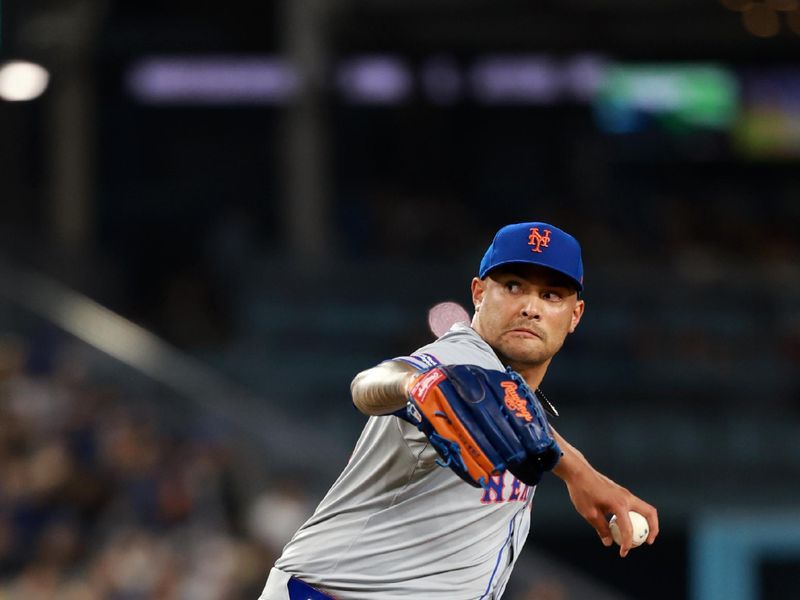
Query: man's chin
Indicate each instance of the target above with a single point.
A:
(526, 358)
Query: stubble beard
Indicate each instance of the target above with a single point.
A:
(521, 357)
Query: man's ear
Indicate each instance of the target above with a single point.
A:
(577, 313)
(478, 288)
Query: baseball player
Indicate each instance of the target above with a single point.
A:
(396, 524)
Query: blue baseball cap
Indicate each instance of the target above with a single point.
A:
(536, 244)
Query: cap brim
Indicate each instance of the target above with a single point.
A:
(576, 283)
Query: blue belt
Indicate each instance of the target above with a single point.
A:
(299, 590)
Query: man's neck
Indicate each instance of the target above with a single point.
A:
(532, 374)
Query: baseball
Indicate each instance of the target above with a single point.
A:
(640, 528)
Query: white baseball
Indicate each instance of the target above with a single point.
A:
(640, 528)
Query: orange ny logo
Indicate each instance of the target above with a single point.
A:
(537, 240)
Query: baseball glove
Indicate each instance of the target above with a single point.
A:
(481, 422)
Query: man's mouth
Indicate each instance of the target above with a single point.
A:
(526, 332)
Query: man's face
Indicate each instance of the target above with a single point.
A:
(525, 312)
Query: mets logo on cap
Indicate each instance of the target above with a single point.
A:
(538, 240)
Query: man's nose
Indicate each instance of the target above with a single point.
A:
(532, 309)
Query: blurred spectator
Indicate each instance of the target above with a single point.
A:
(547, 589)
(101, 500)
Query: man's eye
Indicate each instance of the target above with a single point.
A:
(513, 286)
(552, 296)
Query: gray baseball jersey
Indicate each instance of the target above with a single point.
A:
(397, 525)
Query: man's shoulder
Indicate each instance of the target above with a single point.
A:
(461, 328)
(461, 345)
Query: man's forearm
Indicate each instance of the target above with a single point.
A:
(595, 497)
(572, 463)
(383, 389)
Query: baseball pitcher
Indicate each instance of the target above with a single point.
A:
(435, 502)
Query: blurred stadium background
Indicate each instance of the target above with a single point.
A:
(214, 215)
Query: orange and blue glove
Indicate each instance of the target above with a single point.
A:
(482, 422)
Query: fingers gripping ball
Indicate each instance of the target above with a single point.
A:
(640, 529)
(482, 422)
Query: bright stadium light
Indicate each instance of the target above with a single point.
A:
(22, 80)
